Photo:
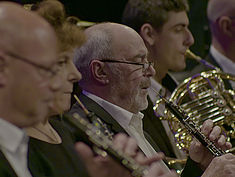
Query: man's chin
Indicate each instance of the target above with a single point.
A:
(178, 68)
(143, 105)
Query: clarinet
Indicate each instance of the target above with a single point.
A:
(102, 145)
(192, 128)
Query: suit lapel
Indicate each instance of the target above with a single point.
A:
(101, 113)
(169, 83)
(108, 119)
(211, 60)
(156, 131)
(5, 167)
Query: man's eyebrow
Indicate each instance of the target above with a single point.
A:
(142, 56)
(180, 24)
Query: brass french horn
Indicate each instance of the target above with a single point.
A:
(203, 97)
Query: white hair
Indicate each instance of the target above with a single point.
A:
(97, 46)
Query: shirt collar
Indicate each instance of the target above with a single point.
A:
(122, 116)
(11, 137)
(225, 63)
(157, 87)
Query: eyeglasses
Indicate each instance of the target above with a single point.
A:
(145, 65)
(46, 71)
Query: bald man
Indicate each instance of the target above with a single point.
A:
(26, 85)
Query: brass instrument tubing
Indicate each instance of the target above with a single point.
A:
(198, 100)
(199, 103)
(211, 116)
(189, 54)
(191, 127)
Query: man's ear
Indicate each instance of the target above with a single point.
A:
(148, 33)
(98, 71)
(225, 24)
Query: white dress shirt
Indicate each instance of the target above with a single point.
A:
(14, 145)
(130, 122)
(160, 112)
(227, 65)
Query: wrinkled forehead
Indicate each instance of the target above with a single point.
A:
(30, 37)
(129, 46)
(39, 47)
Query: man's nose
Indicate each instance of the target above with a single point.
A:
(189, 40)
(74, 75)
(150, 71)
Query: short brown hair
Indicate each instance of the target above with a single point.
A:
(154, 12)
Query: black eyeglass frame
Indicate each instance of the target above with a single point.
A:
(47, 69)
(145, 65)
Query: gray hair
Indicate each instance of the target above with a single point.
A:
(218, 8)
(97, 46)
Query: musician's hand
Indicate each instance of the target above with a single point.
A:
(221, 166)
(128, 146)
(156, 171)
(199, 153)
(101, 167)
(98, 166)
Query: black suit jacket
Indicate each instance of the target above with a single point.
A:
(101, 113)
(5, 168)
(154, 127)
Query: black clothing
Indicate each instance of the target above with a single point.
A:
(55, 160)
(111, 123)
(5, 168)
(153, 125)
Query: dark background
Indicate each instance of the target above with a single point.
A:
(111, 10)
